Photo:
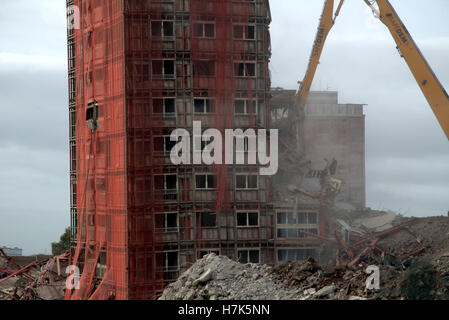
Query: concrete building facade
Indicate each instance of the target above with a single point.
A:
(337, 131)
(331, 131)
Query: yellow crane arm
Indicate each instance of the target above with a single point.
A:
(431, 87)
(326, 23)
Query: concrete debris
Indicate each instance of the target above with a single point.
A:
(220, 278)
(377, 223)
(30, 279)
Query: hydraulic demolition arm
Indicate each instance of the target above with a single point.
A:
(434, 92)
(326, 23)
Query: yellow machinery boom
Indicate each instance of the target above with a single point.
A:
(431, 87)
(326, 23)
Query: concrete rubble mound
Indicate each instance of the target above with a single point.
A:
(220, 278)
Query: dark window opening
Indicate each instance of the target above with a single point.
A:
(241, 219)
(162, 28)
(171, 222)
(240, 106)
(247, 182)
(167, 182)
(171, 182)
(163, 144)
(244, 106)
(204, 106)
(247, 219)
(169, 68)
(205, 181)
(251, 33)
(92, 111)
(244, 32)
(165, 106)
(171, 261)
(241, 182)
(245, 69)
(92, 115)
(253, 218)
(166, 68)
(204, 30)
(169, 106)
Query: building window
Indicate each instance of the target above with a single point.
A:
(204, 68)
(208, 219)
(164, 68)
(245, 69)
(247, 181)
(295, 233)
(163, 144)
(165, 106)
(171, 261)
(204, 105)
(204, 30)
(248, 256)
(290, 225)
(171, 222)
(295, 254)
(245, 106)
(245, 32)
(248, 219)
(168, 184)
(163, 29)
(205, 181)
(300, 218)
(206, 252)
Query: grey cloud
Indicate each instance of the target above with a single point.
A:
(34, 109)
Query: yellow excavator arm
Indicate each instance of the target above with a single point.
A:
(326, 23)
(434, 92)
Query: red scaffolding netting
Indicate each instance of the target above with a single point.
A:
(132, 59)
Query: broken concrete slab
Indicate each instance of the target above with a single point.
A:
(376, 223)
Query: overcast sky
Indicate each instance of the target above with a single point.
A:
(407, 152)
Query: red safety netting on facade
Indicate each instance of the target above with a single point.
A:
(141, 72)
(101, 154)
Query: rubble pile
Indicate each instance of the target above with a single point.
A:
(28, 279)
(340, 283)
(220, 278)
(411, 254)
